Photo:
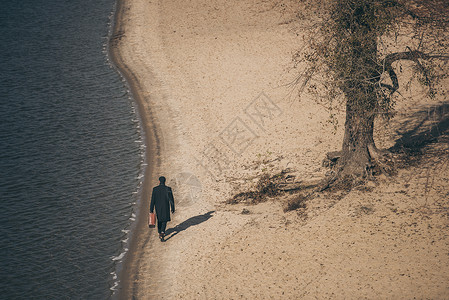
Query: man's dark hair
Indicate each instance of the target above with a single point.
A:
(162, 179)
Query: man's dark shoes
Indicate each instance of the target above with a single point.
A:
(161, 237)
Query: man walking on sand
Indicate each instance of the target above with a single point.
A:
(162, 199)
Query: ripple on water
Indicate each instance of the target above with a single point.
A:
(70, 165)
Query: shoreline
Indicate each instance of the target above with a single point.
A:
(195, 70)
(139, 236)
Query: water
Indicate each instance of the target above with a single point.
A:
(70, 152)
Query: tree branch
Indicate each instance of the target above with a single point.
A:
(413, 55)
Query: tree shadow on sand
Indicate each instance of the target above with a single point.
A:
(193, 221)
(425, 127)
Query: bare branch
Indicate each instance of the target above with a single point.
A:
(412, 55)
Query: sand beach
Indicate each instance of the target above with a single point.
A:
(199, 71)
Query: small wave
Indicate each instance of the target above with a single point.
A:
(120, 256)
(114, 287)
(114, 275)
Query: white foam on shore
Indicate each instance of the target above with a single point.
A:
(114, 275)
(114, 287)
(120, 256)
(135, 196)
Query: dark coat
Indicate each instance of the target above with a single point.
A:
(162, 199)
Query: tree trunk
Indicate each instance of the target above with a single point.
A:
(357, 142)
(361, 97)
(358, 71)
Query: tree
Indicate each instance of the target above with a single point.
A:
(351, 60)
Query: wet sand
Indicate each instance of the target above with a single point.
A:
(140, 237)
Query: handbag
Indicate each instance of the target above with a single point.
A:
(151, 220)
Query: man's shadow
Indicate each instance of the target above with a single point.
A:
(171, 232)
